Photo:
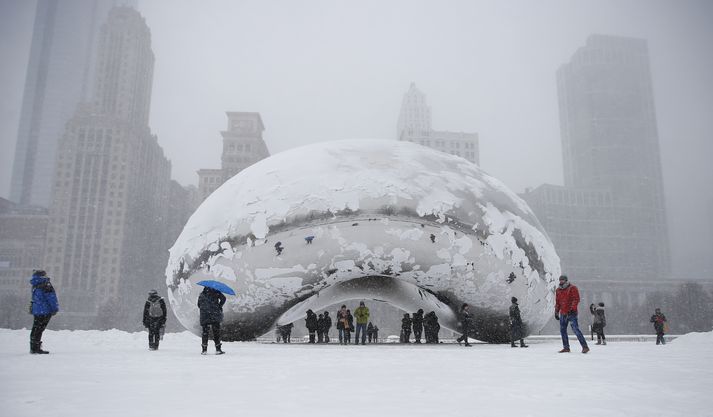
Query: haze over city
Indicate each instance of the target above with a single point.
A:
(321, 71)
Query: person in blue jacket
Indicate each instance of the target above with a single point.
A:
(44, 305)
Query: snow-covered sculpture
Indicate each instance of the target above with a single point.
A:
(365, 219)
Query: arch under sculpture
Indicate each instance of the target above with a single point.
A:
(365, 219)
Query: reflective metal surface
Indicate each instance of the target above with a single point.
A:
(382, 220)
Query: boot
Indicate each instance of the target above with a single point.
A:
(599, 342)
(204, 349)
(522, 343)
(604, 342)
(38, 349)
(512, 344)
(585, 349)
(564, 350)
(218, 351)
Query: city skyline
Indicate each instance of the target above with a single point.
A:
(493, 78)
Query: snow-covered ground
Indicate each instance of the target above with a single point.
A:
(111, 373)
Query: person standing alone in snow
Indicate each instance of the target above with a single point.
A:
(44, 305)
(658, 319)
(567, 300)
(598, 322)
(210, 303)
(466, 320)
(516, 330)
(154, 318)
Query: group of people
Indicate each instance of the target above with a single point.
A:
(421, 325)
(44, 305)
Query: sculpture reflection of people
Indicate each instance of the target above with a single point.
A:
(210, 303)
(566, 302)
(466, 321)
(44, 305)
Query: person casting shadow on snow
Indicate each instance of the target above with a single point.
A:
(466, 320)
(43, 306)
(154, 318)
(567, 300)
(210, 303)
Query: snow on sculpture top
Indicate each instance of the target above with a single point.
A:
(389, 179)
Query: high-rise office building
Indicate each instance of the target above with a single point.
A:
(610, 149)
(59, 75)
(107, 236)
(414, 125)
(243, 146)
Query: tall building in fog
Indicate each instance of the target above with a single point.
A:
(414, 125)
(612, 167)
(243, 146)
(107, 237)
(59, 75)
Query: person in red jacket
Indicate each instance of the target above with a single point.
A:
(567, 299)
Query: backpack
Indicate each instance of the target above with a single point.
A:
(155, 310)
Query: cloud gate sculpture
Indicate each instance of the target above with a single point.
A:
(376, 220)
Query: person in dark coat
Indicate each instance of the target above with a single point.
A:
(658, 319)
(369, 332)
(342, 323)
(286, 333)
(154, 318)
(417, 323)
(516, 330)
(599, 320)
(406, 328)
(349, 328)
(43, 306)
(327, 326)
(466, 321)
(210, 303)
(311, 323)
(431, 327)
(320, 327)
(375, 334)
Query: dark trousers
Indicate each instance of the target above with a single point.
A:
(464, 336)
(319, 336)
(325, 336)
(155, 334)
(311, 336)
(39, 325)
(407, 336)
(660, 339)
(206, 333)
(417, 333)
(360, 330)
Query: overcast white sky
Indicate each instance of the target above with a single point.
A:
(324, 70)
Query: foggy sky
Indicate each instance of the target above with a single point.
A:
(325, 70)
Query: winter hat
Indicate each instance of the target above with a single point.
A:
(361, 303)
(514, 299)
(39, 272)
(564, 277)
(601, 304)
(153, 292)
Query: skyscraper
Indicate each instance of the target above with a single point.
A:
(59, 76)
(414, 125)
(612, 168)
(107, 237)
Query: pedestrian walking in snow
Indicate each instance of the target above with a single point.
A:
(431, 327)
(406, 328)
(659, 321)
(342, 323)
(320, 327)
(327, 326)
(210, 304)
(311, 323)
(43, 306)
(417, 323)
(566, 302)
(362, 318)
(466, 321)
(349, 328)
(154, 318)
(599, 320)
(516, 330)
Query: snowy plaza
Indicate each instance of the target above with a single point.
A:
(111, 373)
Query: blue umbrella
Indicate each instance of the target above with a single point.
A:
(217, 285)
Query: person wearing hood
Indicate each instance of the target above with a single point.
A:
(311, 323)
(154, 318)
(43, 306)
(566, 302)
(659, 321)
(210, 303)
(431, 327)
(516, 330)
(417, 323)
(598, 322)
(406, 328)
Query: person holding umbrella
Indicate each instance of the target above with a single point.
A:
(210, 303)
